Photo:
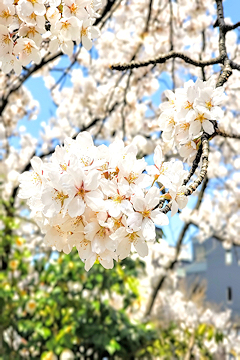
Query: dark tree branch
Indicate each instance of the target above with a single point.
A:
(227, 70)
(194, 165)
(171, 264)
(107, 9)
(233, 136)
(234, 65)
(124, 104)
(149, 16)
(203, 49)
(203, 172)
(201, 193)
(67, 70)
(172, 43)
(47, 59)
(204, 167)
(232, 27)
(163, 58)
(223, 59)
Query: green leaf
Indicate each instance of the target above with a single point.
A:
(202, 329)
(113, 346)
(44, 332)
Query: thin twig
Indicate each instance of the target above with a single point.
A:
(227, 70)
(167, 268)
(67, 70)
(233, 136)
(171, 264)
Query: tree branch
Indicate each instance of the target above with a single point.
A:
(194, 165)
(163, 58)
(227, 70)
(191, 188)
(171, 264)
(24, 77)
(168, 267)
(204, 167)
(233, 136)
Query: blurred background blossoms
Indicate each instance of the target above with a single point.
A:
(121, 110)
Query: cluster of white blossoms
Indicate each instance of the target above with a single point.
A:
(100, 199)
(29, 26)
(189, 112)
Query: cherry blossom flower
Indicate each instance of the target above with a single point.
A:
(127, 238)
(145, 216)
(88, 197)
(33, 180)
(189, 112)
(160, 170)
(88, 32)
(66, 22)
(179, 200)
(6, 43)
(10, 62)
(86, 192)
(6, 14)
(56, 196)
(75, 8)
(200, 119)
(27, 51)
(27, 7)
(105, 258)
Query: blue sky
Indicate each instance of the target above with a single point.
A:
(42, 94)
(232, 9)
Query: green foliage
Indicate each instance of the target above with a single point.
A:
(179, 341)
(54, 304)
(49, 305)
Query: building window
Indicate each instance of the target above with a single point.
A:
(200, 253)
(229, 294)
(238, 331)
(228, 257)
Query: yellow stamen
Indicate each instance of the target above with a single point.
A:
(73, 8)
(28, 48)
(63, 167)
(36, 178)
(201, 117)
(5, 14)
(184, 126)
(118, 198)
(171, 121)
(145, 213)
(209, 104)
(6, 39)
(188, 105)
(81, 192)
(65, 25)
(133, 237)
(61, 197)
(132, 176)
(84, 32)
